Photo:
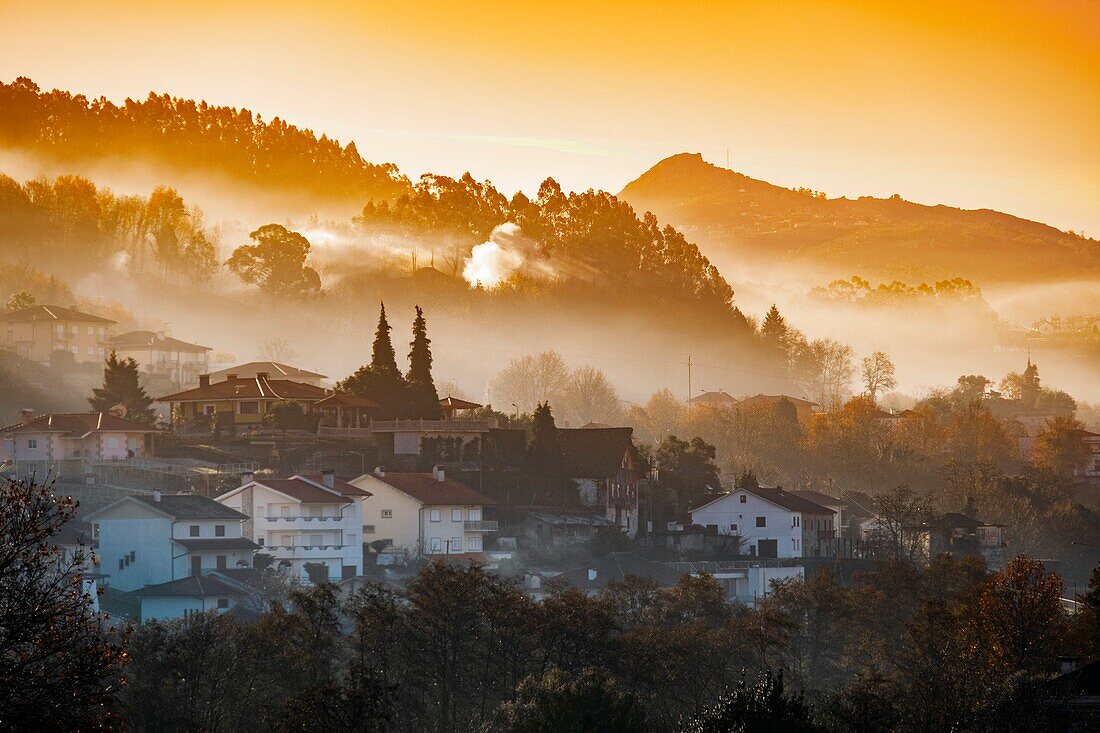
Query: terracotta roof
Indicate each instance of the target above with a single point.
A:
(150, 339)
(254, 388)
(713, 398)
(271, 368)
(217, 543)
(595, 452)
(52, 313)
(190, 506)
(785, 499)
(310, 489)
(346, 400)
(771, 399)
(426, 489)
(194, 586)
(77, 424)
(818, 498)
(453, 403)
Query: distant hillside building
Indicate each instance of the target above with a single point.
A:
(608, 470)
(156, 353)
(273, 369)
(238, 402)
(713, 399)
(772, 522)
(55, 443)
(38, 332)
(804, 409)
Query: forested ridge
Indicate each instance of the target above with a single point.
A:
(189, 135)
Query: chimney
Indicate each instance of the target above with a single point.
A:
(160, 335)
(247, 477)
(438, 473)
(26, 414)
(328, 477)
(156, 495)
(204, 380)
(380, 471)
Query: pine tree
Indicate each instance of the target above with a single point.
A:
(122, 387)
(774, 328)
(423, 397)
(544, 454)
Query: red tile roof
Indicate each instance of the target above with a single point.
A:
(425, 488)
(713, 398)
(77, 424)
(346, 400)
(271, 368)
(249, 389)
(52, 313)
(151, 339)
(310, 489)
(772, 399)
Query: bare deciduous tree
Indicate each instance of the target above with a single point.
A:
(878, 374)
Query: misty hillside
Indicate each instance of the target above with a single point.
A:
(184, 135)
(730, 214)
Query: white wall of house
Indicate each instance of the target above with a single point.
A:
(416, 528)
(135, 549)
(166, 608)
(755, 519)
(303, 532)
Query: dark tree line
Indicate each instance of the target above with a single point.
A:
(190, 135)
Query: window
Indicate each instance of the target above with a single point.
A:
(368, 529)
(32, 443)
(121, 563)
(193, 530)
(91, 330)
(260, 540)
(473, 544)
(90, 351)
(435, 544)
(196, 565)
(475, 514)
(209, 409)
(761, 521)
(387, 514)
(112, 442)
(219, 530)
(223, 603)
(250, 408)
(221, 562)
(733, 528)
(59, 331)
(456, 544)
(435, 515)
(794, 521)
(75, 349)
(456, 515)
(743, 499)
(133, 556)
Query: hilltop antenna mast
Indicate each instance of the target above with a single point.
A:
(689, 377)
(727, 157)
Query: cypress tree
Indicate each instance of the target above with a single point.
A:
(774, 328)
(544, 454)
(383, 361)
(423, 397)
(380, 380)
(121, 387)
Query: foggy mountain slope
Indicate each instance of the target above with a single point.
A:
(733, 216)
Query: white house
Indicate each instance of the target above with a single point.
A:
(216, 591)
(416, 514)
(304, 519)
(157, 353)
(63, 443)
(771, 521)
(149, 540)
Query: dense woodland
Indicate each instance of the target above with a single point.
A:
(189, 136)
(897, 648)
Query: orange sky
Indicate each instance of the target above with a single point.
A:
(974, 104)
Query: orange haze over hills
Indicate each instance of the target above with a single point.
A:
(983, 105)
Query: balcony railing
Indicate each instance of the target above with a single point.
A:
(329, 432)
(431, 426)
(295, 548)
(302, 518)
(480, 526)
